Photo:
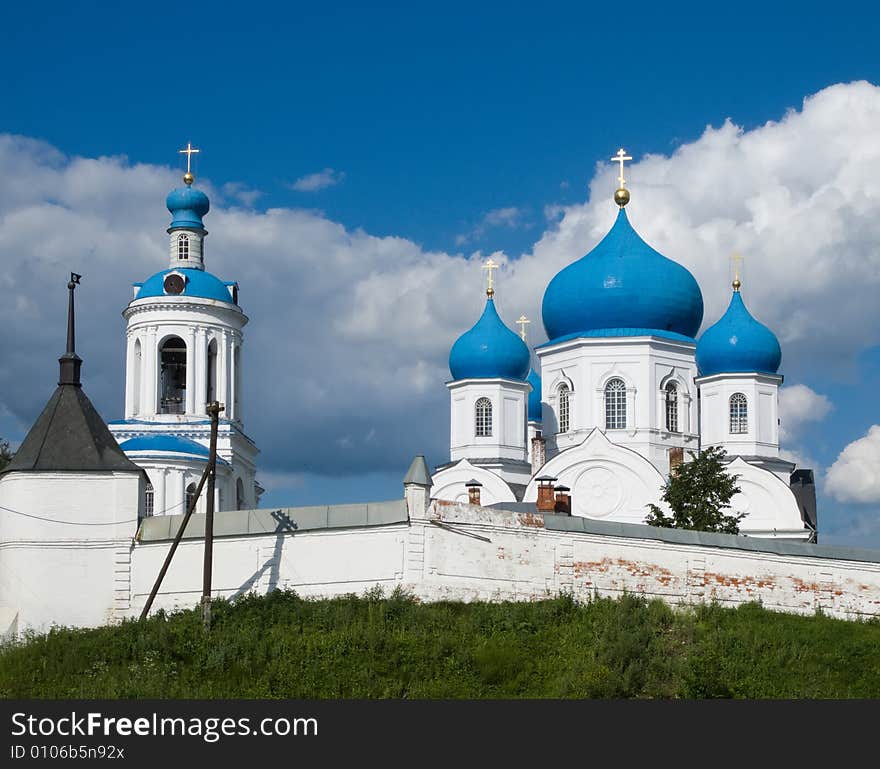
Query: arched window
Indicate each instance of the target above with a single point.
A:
(615, 405)
(564, 407)
(239, 495)
(190, 495)
(172, 376)
(148, 499)
(672, 407)
(739, 414)
(211, 394)
(483, 418)
(182, 246)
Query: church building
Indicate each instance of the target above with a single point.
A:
(624, 392)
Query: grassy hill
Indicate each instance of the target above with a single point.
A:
(281, 645)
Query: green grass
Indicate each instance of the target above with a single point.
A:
(372, 646)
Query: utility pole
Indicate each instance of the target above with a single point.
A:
(208, 474)
(213, 409)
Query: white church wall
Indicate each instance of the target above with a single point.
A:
(69, 562)
(645, 365)
(464, 552)
(509, 403)
(450, 484)
(761, 437)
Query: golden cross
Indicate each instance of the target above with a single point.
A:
(189, 152)
(522, 326)
(489, 266)
(736, 260)
(621, 157)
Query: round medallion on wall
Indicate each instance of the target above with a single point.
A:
(597, 493)
(174, 283)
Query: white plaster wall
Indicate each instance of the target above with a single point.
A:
(68, 563)
(645, 364)
(196, 258)
(762, 396)
(509, 403)
(450, 484)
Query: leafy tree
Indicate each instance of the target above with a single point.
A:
(5, 454)
(698, 492)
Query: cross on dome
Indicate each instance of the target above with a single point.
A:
(521, 322)
(621, 195)
(189, 151)
(490, 266)
(736, 260)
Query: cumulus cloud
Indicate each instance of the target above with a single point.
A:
(855, 474)
(798, 406)
(318, 181)
(241, 193)
(510, 217)
(347, 376)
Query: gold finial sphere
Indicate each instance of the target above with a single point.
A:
(621, 196)
(490, 292)
(188, 178)
(736, 284)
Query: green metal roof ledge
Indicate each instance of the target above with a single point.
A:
(285, 520)
(554, 522)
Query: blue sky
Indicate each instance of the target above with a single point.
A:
(436, 132)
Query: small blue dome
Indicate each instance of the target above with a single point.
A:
(534, 396)
(738, 343)
(199, 283)
(187, 205)
(626, 285)
(489, 350)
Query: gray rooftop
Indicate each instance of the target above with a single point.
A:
(554, 522)
(286, 520)
(69, 435)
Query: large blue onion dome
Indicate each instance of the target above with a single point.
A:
(489, 350)
(623, 287)
(196, 283)
(534, 396)
(187, 206)
(738, 343)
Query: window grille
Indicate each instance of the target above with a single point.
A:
(190, 495)
(672, 407)
(182, 246)
(564, 408)
(615, 405)
(483, 418)
(739, 414)
(148, 500)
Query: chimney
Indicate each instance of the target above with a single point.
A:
(546, 500)
(539, 452)
(563, 500)
(473, 488)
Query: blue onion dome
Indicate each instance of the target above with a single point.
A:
(623, 287)
(187, 206)
(489, 350)
(534, 396)
(196, 283)
(738, 343)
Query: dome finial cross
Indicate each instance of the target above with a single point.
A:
(189, 152)
(489, 266)
(621, 157)
(522, 326)
(737, 260)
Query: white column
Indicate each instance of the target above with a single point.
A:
(231, 410)
(223, 370)
(150, 373)
(192, 363)
(130, 384)
(159, 505)
(201, 370)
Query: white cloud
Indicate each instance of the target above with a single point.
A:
(350, 333)
(855, 474)
(318, 181)
(510, 217)
(799, 405)
(241, 193)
